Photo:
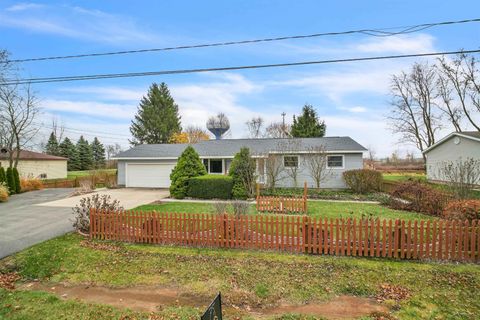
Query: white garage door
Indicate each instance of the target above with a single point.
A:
(149, 175)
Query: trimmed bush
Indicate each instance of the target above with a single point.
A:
(3, 176)
(419, 197)
(363, 180)
(188, 166)
(3, 192)
(11, 181)
(462, 210)
(242, 170)
(16, 176)
(211, 186)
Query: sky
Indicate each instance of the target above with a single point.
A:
(352, 98)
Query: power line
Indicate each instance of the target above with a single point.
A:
(82, 132)
(201, 70)
(79, 130)
(381, 32)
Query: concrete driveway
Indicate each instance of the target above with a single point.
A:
(33, 217)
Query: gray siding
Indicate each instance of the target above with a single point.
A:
(449, 151)
(335, 176)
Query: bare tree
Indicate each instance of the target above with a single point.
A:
(371, 157)
(461, 175)
(58, 129)
(292, 162)
(255, 127)
(112, 150)
(18, 110)
(196, 134)
(413, 115)
(278, 130)
(273, 169)
(316, 163)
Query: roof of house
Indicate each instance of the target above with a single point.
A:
(229, 147)
(472, 135)
(31, 155)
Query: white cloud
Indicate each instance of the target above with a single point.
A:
(91, 108)
(24, 6)
(400, 44)
(357, 109)
(75, 22)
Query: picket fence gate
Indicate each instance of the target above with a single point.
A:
(430, 240)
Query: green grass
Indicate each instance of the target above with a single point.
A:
(317, 209)
(83, 173)
(245, 278)
(400, 177)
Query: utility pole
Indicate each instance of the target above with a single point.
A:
(283, 123)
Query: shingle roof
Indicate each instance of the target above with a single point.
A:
(473, 135)
(229, 147)
(31, 155)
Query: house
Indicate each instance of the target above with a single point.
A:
(452, 148)
(150, 165)
(38, 165)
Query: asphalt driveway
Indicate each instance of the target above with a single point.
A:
(33, 217)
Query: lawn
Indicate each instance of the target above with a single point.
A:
(318, 209)
(251, 282)
(83, 173)
(404, 176)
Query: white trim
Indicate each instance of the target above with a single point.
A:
(336, 155)
(448, 137)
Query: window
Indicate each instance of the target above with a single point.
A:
(290, 161)
(216, 166)
(334, 161)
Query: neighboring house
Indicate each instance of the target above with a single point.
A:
(38, 165)
(454, 147)
(149, 166)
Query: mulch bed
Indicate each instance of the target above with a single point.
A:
(7, 280)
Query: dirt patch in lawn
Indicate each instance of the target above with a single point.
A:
(342, 307)
(153, 299)
(137, 298)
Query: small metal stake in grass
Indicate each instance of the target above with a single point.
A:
(214, 311)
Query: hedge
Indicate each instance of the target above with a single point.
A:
(210, 186)
(363, 180)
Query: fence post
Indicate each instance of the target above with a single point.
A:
(305, 196)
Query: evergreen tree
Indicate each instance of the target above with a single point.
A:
(307, 125)
(188, 166)
(242, 170)
(16, 177)
(157, 117)
(11, 181)
(69, 151)
(98, 151)
(52, 145)
(3, 176)
(85, 155)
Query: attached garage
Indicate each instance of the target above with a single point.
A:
(148, 175)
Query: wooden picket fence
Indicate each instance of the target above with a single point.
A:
(282, 204)
(426, 240)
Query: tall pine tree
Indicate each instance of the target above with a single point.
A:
(98, 151)
(69, 151)
(307, 124)
(52, 145)
(85, 155)
(157, 117)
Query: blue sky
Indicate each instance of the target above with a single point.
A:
(352, 98)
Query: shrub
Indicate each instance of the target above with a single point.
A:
(210, 186)
(16, 176)
(10, 181)
(82, 210)
(240, 207)
(30, 184)
(242, 170)
(3, 176)
(462, 210)
(3, 192)
(188, 166)
(419, 197)
(363, 180)
(220, 207)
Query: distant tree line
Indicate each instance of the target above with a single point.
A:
(81, 156)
